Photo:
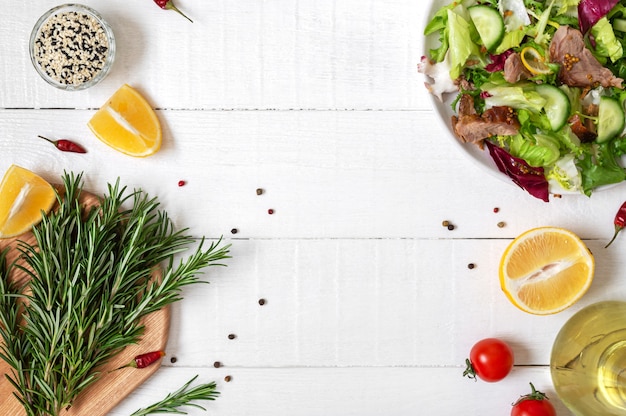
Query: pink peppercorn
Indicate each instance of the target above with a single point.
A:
(181, 183)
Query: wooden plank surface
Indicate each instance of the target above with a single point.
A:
(370, 306)
(326, 174)
(393, 391)
(282, 54)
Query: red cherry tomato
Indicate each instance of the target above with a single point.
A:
(533, 404)
(490, 359)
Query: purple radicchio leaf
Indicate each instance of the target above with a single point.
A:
(525, 176)
(590, 11)
(497, 61)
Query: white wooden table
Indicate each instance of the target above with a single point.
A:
(371, 308)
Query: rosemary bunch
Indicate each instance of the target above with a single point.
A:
(91, 280)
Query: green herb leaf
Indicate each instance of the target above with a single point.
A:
(181, 397)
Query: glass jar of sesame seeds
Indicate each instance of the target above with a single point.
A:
(72, 47)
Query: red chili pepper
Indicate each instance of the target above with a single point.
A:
(619, 222)
(144, 360)
(168, 5)
(66, 145)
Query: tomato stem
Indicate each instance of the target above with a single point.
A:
(469, 370)
(534, 395)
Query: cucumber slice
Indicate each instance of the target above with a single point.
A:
(557, 105)
(610, 119)
(619, 25)
(489, 24)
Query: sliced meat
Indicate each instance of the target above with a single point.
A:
(592, 111)
(579, 68)
(514, 69)
(585, 134)
(466, 105)
(471, 127)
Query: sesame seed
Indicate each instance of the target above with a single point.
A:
(71, 47)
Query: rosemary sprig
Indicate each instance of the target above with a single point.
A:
(181, 397)
(91, 281)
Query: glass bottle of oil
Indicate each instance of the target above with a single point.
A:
(588, 361)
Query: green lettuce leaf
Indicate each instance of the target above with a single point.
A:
(565, 174)
(606, 44)
(517, 96)
(567, 6)
(600, 167)
(539, 151)
(511, 40)
(460, 41)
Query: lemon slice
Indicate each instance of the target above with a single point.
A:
(533, 61)
(546, 270)
(128, 124)
(24, 198)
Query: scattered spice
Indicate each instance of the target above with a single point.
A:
(569, 61)
(450, 227)
(270, 211)
(66, 145)
(259, 191)
(71, 48)
(168, 5)
(144, 360)
(501, 224)
(173, 360)
(234, 231)
(232, 336)
(471, 266)
(496, 210)
(619, 222)
(182, 183)
(261, 301)
(445, 223)
(217, 364)
(227, 379)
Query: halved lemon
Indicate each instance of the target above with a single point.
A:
(24, 198)
(546, 270)
(128, 124)
(533, 61)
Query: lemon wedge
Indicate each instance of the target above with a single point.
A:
(128, 124)
(24, 198)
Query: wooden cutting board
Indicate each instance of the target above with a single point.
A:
(102, 396)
